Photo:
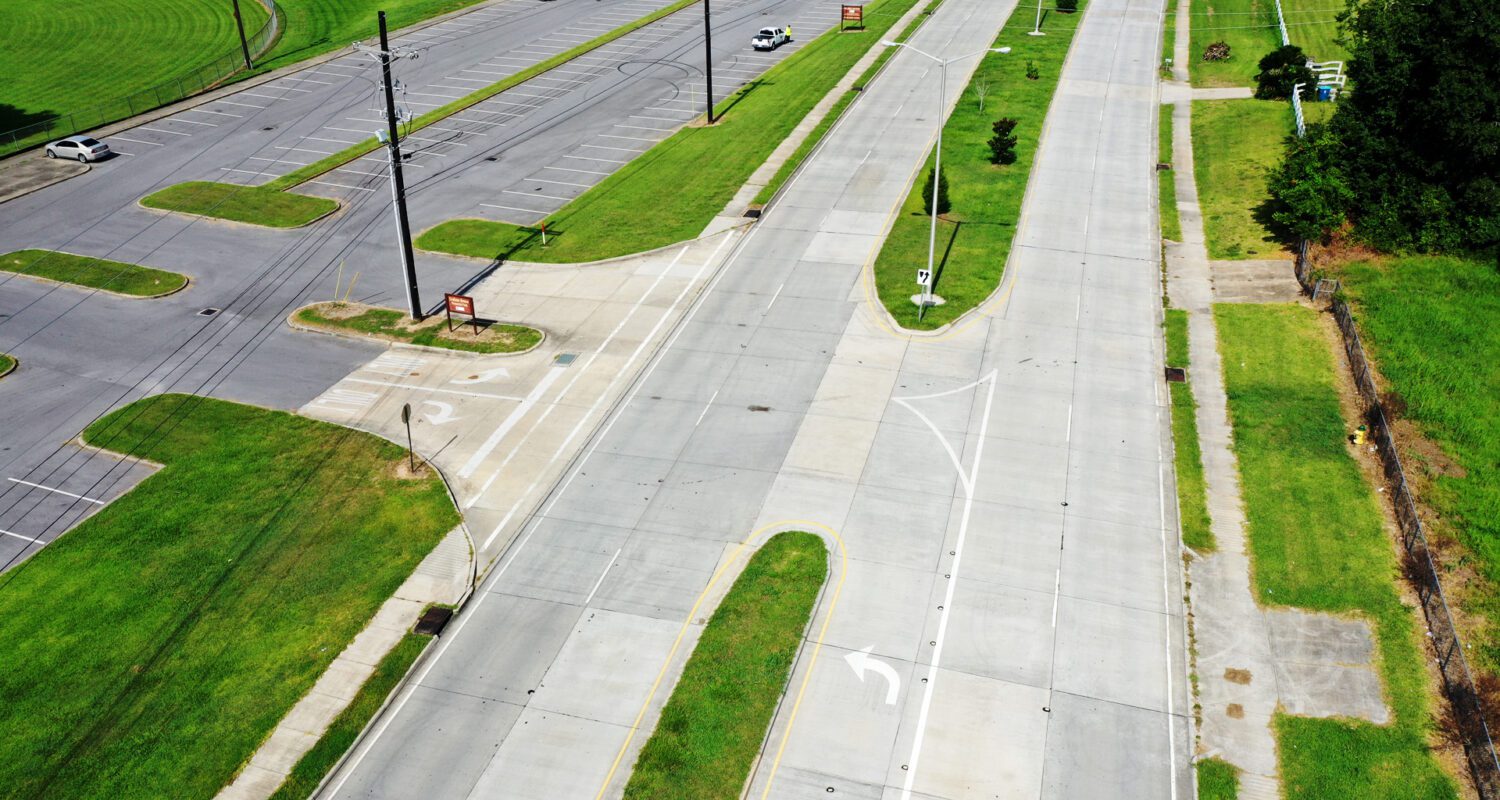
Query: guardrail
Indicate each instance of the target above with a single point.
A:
(1467, 713)
(205, 77)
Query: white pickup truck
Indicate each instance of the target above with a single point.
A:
(771, 38)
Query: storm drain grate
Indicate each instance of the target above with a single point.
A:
(208, 312)
(564, 359)
(434, 620)
(1176, 375)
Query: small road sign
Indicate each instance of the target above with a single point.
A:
(852, 16)
(924, 277)
(460, 304)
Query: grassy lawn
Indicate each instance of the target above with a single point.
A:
(1317, 541)
(712, 726)
(149, 651)
(1429, 323)
(1247, 26)
(671, 192)
(51, 53)
(256, 205)
(311, 768)
(95, 273)
(1166, 180)
(314, 27)
(974, 239)
(1235, 143)
(1313, 26)
(394, 326)
(1217, 780)
(1192, 487)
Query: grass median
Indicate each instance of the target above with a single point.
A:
(150, 650)
(304, 778)
(1429, 324)
(93, 273)
(1187, 454)
(1166, 180)
(7, 364)
(713, 725)
(1217, 780)
(1235, 144)
(672, 191)
(973, 240)
(1317, 541)
(388, 324)
(267, 204)
(256, 205)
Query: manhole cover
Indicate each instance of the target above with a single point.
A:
(434, 620)
(208, 312)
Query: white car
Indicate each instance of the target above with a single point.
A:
(771, 38)
(80, 147)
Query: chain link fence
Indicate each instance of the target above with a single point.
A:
(1466, 712)
(205, 77)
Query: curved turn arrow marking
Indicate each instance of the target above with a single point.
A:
(443, 415)
(861, 662)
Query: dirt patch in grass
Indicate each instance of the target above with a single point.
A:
(391, 325)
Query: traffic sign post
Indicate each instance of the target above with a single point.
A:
(411, 458)
(462, 305)
(924, 280)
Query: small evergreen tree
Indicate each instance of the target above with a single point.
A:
(1003, 144)
(1067, 6)
(1282, 69)
(1309, 192)
(942, 193)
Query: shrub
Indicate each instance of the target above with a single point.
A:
(942, 193)
(1280, 71)
(1310, 194)
(1067, 6)
(1032, 72)
(1003, 144)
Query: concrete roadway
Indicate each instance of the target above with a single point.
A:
(997, 497)
(84, 353)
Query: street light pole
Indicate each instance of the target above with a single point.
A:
(708, 61)
(240, 23)
(937, 167)
(398, 182)
(1037, 31)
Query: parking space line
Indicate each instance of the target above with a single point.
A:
(191, 122)
(220, 113)
(562, 183)
(232, 103)
(305, 150)
(137, 141)
(632, 138)
(158, 130)
(513, 208)
(57, 491)
(607, 147)
(570, 169)
(32, 539)
(536, 194)
(342, 186)
(596, 158)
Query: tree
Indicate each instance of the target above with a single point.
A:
(942, 194)
(1003, 144)
(1421, 128)
(1309, 193)
(1067, 6)
(980, 87)
(1280, 71)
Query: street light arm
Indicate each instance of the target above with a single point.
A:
(889, 43)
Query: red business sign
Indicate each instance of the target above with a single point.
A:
(854, 13)
(459, 304)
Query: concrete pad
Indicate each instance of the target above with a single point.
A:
(703, 500)
(832, 447)
(1112, 653)
(879, 607)
(903, 528)
(605, 667)
(534, 631)
(841, 248)
(550, 755)
(973, 719)
(1078, 767)
(997, 632)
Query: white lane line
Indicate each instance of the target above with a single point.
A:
(137, 141)
(1166, 604)
(958, 554)
(244, 105)
(773, 299)
(433, 389)
(510, 421)
(706, 407)
(19, 536)
(56, 491)
(600, 582)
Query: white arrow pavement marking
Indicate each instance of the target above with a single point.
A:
(483, 377)
(861, 661)
(443, 415)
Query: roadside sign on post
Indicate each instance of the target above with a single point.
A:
(463, 305)
(852, 17)
(411, 457)
(923, 276)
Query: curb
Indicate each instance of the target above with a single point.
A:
(338, 206)
(391, 344)
(187, 281)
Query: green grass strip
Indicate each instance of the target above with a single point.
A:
(672, 191)
(1166, 181)
(1217, 780)
(93, 273)
(784, 172)
(1429, 322)
(1192, 487)
(712, 727)
(1317, 541)
(305, 777)
(256, 205)
(392, 325)
(973, 240)
(1235, 144)
(150, 651)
